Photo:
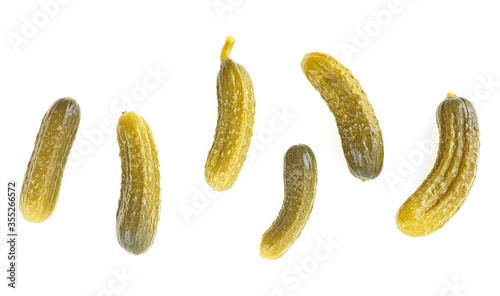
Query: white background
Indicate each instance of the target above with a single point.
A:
(407, 56)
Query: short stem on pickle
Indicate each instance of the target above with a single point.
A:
(226, 50)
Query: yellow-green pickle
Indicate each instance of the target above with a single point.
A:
(44, 174)
(139, 206)
(446, 187)
(300, 176)
(358, 127)
(236, 111)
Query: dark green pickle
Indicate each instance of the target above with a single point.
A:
(300, 176)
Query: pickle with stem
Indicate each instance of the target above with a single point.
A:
(236, 111)
(448, 184)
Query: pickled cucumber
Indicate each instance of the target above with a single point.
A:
(139, 205)
(44, 174)
(448, 184)
(236, 111)
(358, 127)
(300, 176)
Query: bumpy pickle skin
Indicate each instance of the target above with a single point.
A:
(236, 111)
(44, 174)
(300, 178)
(139, 205)
(357, 124)
(448, 184)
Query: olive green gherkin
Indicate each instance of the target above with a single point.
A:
(139, 206)
(445, 189)
(236, 111)
(43, 177)
(300, 178)
(358, 127)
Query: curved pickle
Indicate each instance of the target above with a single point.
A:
(236, 111)
(43, 177)
(358, 127)
(300, 177)
(446, 187)
(139, 206)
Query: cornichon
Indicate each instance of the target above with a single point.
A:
(446, 187)
(236, 111)
(139, 206)
(356, 122)
(43, 177)
(300, 177)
